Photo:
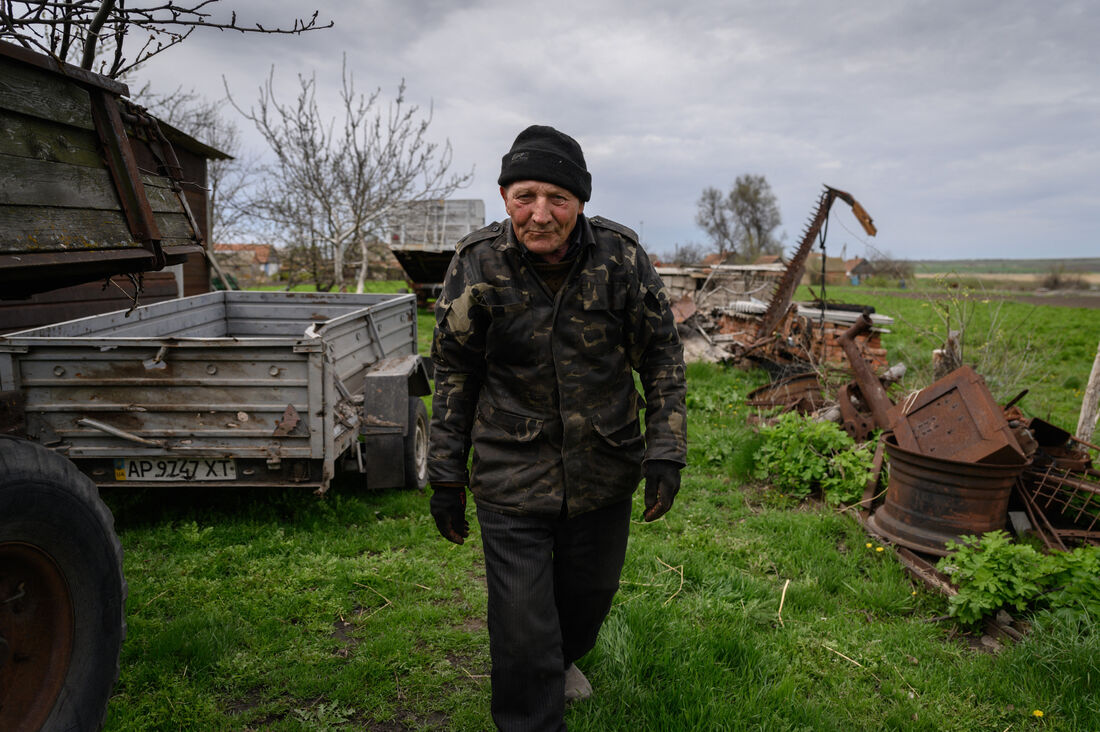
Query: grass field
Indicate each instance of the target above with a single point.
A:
(1014, 345)
(1007, 266)
(254, 610)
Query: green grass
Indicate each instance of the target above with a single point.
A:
(276, 610)
(368, 286)
(1047, 350)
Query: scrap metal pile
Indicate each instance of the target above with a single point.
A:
(784, 337)
(959, 463)
(1060, 488)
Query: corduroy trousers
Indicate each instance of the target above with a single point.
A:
(551, 581)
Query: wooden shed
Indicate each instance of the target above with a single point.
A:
(91, 185)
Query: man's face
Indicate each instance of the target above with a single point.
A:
(543, 216)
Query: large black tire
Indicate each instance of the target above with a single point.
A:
(416, 446)
(62, 593)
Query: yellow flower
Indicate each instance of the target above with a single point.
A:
(878, 549)
(868, 545)
(1037, 713)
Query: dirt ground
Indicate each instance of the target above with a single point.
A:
(1063, 298)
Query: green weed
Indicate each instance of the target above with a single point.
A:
(278, 610)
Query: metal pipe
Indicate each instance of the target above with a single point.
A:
(882, 409)
(95, 424)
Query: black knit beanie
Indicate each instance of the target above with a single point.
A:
(542, 153)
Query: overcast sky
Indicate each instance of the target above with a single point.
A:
(966, 129)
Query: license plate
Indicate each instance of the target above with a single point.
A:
(175, 469)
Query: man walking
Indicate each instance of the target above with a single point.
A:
(540, 325)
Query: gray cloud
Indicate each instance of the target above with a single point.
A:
(966, 129)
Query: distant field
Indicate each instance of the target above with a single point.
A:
(1006, 266)
(1034, 278)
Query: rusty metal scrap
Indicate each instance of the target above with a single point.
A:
(801, 393)
(781, 298)
(286, 425)
(854, 421)
(871, 389)
(955, 417)
(1070, 499)
(931, 500)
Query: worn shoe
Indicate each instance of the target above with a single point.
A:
(576, 685)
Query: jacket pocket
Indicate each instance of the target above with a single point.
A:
(514, 465)
(612, 459)
(516, 426)
(616, 434)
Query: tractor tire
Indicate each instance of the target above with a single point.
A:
(416, 446)
(62, 593)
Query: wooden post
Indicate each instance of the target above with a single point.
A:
(1090, 405)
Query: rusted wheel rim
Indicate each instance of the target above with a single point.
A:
(36, 628)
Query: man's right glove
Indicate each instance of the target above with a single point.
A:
(662, 483)
(448, 506)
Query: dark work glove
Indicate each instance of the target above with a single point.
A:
(662, 483)
(448, 506)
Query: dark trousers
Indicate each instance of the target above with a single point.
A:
(550, 581)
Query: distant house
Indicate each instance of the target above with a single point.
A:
(769, 259)
(717, 258)
(249, 263)
(835, 270)
(858, 269)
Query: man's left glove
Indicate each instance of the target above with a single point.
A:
(662, 483)
(448, 506)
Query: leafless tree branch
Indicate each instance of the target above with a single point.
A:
(65, 28)
(336, 179)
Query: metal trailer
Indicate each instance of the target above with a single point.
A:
(423, 235)
(229, 388)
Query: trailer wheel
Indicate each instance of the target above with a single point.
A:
(62, 593)
(416, 446)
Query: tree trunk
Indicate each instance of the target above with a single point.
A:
(1090, 404)
(947, 359)
(361, 278)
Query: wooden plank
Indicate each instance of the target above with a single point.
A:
(39, 229)
(30, 182)
(173, 226)
(30, 137)
(36, 59)
(1090, 404)
(42, 94)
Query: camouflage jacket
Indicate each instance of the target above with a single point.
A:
(541, 386)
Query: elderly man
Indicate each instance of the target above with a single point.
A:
(541, 323)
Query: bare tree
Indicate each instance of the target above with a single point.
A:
(335, 181)
(883, 264)
(687, 255)
(92, 33)
(716, 219)
(742, 221)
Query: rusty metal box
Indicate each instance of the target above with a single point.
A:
(957, 418)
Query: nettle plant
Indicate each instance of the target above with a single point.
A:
(994, 573)
(799, 456)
